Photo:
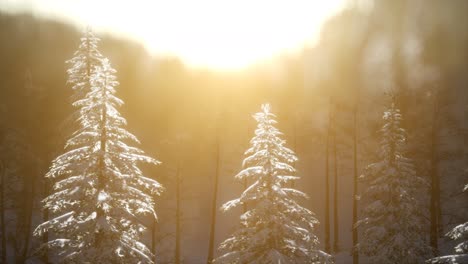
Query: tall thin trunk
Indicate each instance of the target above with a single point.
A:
(153, 240)
(29, 190)
(355, 190)
(45, 218)
(178, 218)
(214, 204)
(2, 210)
(398, 10)
(435, 198)
(335, 189)
(245, 182)
(327, 183)
(28, 219)
(294, 143)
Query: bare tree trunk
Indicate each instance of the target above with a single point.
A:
(45, 217)
(153, 239)
(355, 190)
(28, 218)
(245, 182)
(2, 210)
(214, 205)
(335, 190)
(398, 10)
(178, 217)
(29, 186)
(294, 143)
(327, 183)
(435, 196)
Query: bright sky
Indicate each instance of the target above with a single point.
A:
(223, 34)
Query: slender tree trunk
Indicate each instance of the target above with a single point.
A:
(245, 182)
(214, 205)
(29, 188)
(294, 143)
(355, 190)
(400, 83)
(178, 217)
(435, 196)
(2, 210)
(398, 10)
(356, 74)
(45, 218)
(28, 218)
(153, 240)
(335, 190)
(327, 182)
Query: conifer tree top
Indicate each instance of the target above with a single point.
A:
(86, 60)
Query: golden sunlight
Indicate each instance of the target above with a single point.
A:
(206, 33)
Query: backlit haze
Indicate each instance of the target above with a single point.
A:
(216, 34)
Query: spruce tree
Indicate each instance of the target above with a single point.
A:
(276, 229)
(86, 60)
(393, 221)
(99, 192)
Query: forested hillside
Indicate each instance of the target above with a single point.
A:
(329, 100)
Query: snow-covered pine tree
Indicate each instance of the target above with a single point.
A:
(393, 220)
(276, 229)
(83, 65)
(99, 192)
(460, 232)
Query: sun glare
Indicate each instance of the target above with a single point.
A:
(231, 34)
(205, 33)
